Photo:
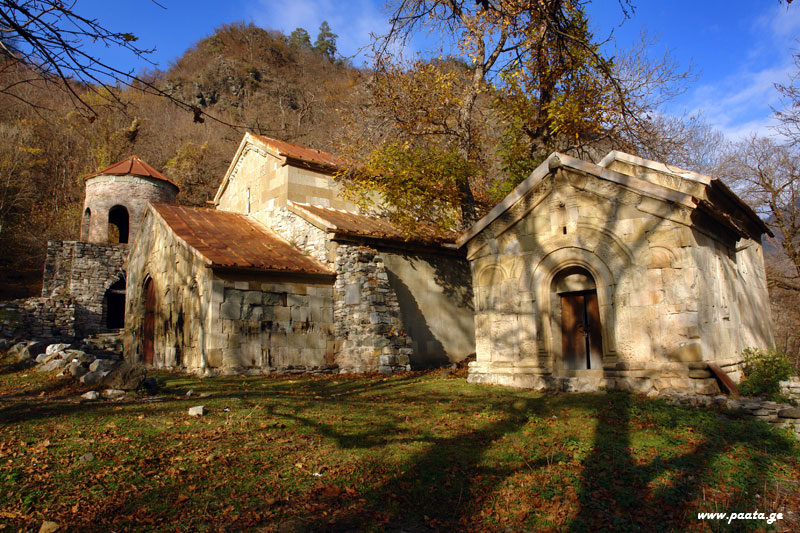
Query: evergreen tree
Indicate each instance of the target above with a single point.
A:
(300, 38)
(326, 41)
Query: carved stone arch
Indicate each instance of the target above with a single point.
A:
(538, 278)
(661, 257)
(490, 275)
(489, 287)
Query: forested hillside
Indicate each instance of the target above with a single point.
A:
(244, 78)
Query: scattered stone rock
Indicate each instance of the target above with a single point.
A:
(78, 355)
(53, 348)
(113, 393)
(91, 395)
(92, 378)
(55, 364)
(102, 365)
(49, 527)
(197, 410)
(86, 458)
(190, 392)
(76, 369)
(25, 351)
(127, 376)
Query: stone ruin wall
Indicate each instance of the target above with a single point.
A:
(76, 277)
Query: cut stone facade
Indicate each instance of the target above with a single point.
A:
(671, 264)
(222, 321)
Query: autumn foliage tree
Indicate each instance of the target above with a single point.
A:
(528, 78)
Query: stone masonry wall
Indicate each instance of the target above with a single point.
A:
(131, 192)
(368, 327)
(38, 318)
(76, 277)
(82, 272)
(311, 240)
(265, 326)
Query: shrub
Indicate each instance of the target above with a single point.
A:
(763, 372)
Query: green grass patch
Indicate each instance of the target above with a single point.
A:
(418, 451)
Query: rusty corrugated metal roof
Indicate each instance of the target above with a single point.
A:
(303, 153)
(232, 240)
(133, 166)
(347, 223)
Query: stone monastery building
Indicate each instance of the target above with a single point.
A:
(627, 273)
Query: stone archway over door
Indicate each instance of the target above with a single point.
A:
(149, 329)
(581, 332)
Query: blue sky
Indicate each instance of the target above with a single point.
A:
(738, 48)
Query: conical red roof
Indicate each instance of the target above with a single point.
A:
(133, 166)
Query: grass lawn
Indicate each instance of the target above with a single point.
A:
(409, 452)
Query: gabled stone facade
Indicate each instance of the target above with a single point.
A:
(627, 274)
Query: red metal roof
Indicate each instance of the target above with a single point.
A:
(347, 223)
(295, 151)
(232, 240)
(132, 166)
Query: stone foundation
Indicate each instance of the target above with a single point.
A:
(651, 378)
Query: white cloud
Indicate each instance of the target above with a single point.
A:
(741, 103)
(781, 23)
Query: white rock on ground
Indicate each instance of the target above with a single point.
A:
(197, 410)
(91, 395)
(53, 348)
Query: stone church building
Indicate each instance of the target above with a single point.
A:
(628, 274)
(284, 274)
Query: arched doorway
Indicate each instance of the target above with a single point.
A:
(114, 302)
(581, 330)
(118, 223)
(149, 327)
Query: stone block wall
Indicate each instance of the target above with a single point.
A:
(131, 192)
(181, 285)
(76, 278)
(271, 326)
(368, 327)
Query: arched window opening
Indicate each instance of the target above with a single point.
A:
(115, 305)
(118, 225)
(87, 217)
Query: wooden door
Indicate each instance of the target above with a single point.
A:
(149, 329)
(581, 341)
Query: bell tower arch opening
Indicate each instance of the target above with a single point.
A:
(118, 225)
